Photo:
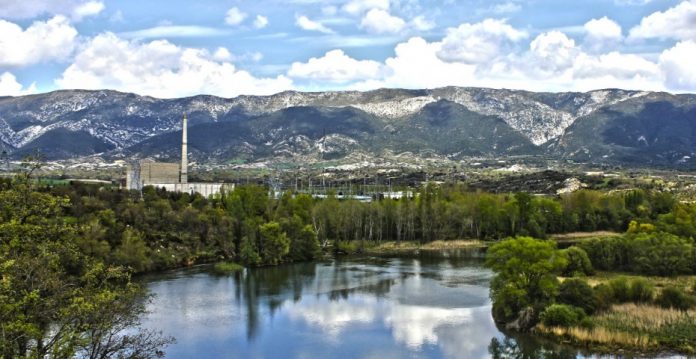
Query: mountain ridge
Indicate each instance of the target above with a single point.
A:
(113, 123)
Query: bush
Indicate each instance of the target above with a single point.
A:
(605, 296)
(608, 253)
(578, 293)
(562, 315)
(305, 246)
(621, 289)
(345, 247)
(661, 254)
(248, 253)
(579, 263)
(675, 298)
(223, 268)
(641, 291)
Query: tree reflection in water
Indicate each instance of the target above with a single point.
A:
(527, 348)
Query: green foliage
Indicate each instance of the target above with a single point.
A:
(305, 246)
(621, 289)
(660, 254)
(672, 297)
(562, 315)
(223, 268)
(248, 252)
(346, 247)
(275, 244)
(579, 263)
(604, 295)
(57, 296)
(526, 270)
(650, 253)
(578, 293)
(641, 291)
(133, 252)
(608, 253)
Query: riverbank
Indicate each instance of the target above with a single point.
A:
(642, 328)
(413, 248)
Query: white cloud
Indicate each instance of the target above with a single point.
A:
(336, 67)
(677, 64)
(553, 62)
(10, 87)
(632, 2)
(235, 16)
(615, 64)
(678, 22)
(380, 21)
(87, 9)
(480, 42)
(416, 65)
(306, 24)
(552, 52)
(506, 8)
(161, 69)
(260, 22)
(222, 54)
(42, 41)
(601, 34)
(27, 9)
(420, 23)
(358, 7)
(170, 31)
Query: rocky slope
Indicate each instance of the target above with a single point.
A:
(451, 122)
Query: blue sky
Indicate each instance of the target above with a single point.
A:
(179, 48)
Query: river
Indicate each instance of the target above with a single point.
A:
(358, 308)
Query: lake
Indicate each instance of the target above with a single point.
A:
(355, 308)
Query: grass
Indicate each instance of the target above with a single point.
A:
(404, 247)
(639, 327)
(683, 282)
(224, 268)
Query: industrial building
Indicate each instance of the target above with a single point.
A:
(172, 177)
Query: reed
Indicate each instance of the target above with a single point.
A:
(636, 327)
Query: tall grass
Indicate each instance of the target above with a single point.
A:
(635, 326)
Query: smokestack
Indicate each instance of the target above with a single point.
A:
(183, 172)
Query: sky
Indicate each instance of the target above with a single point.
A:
(177, 48)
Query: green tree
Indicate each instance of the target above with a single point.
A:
(305, 246)
(275, 244)
(526, 270)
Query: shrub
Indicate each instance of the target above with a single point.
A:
(675, 298)
(660, 254)
(305, 246)
(578, 293)
(641, 291)
(248, 253)
(605, 296)
(562, 315)
(621, 289)
(345, 247)
(579, 263)
(526, 275)
(608, 253)
(223, 268)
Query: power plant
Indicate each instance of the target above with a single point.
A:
(173, 177)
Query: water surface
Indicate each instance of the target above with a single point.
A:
(366, 308)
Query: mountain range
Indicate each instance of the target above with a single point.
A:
(603, 126)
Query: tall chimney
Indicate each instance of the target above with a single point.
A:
(183, 171)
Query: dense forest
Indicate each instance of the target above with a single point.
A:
(67, 253)
(155, 229)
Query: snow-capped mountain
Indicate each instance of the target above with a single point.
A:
(599, 125)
